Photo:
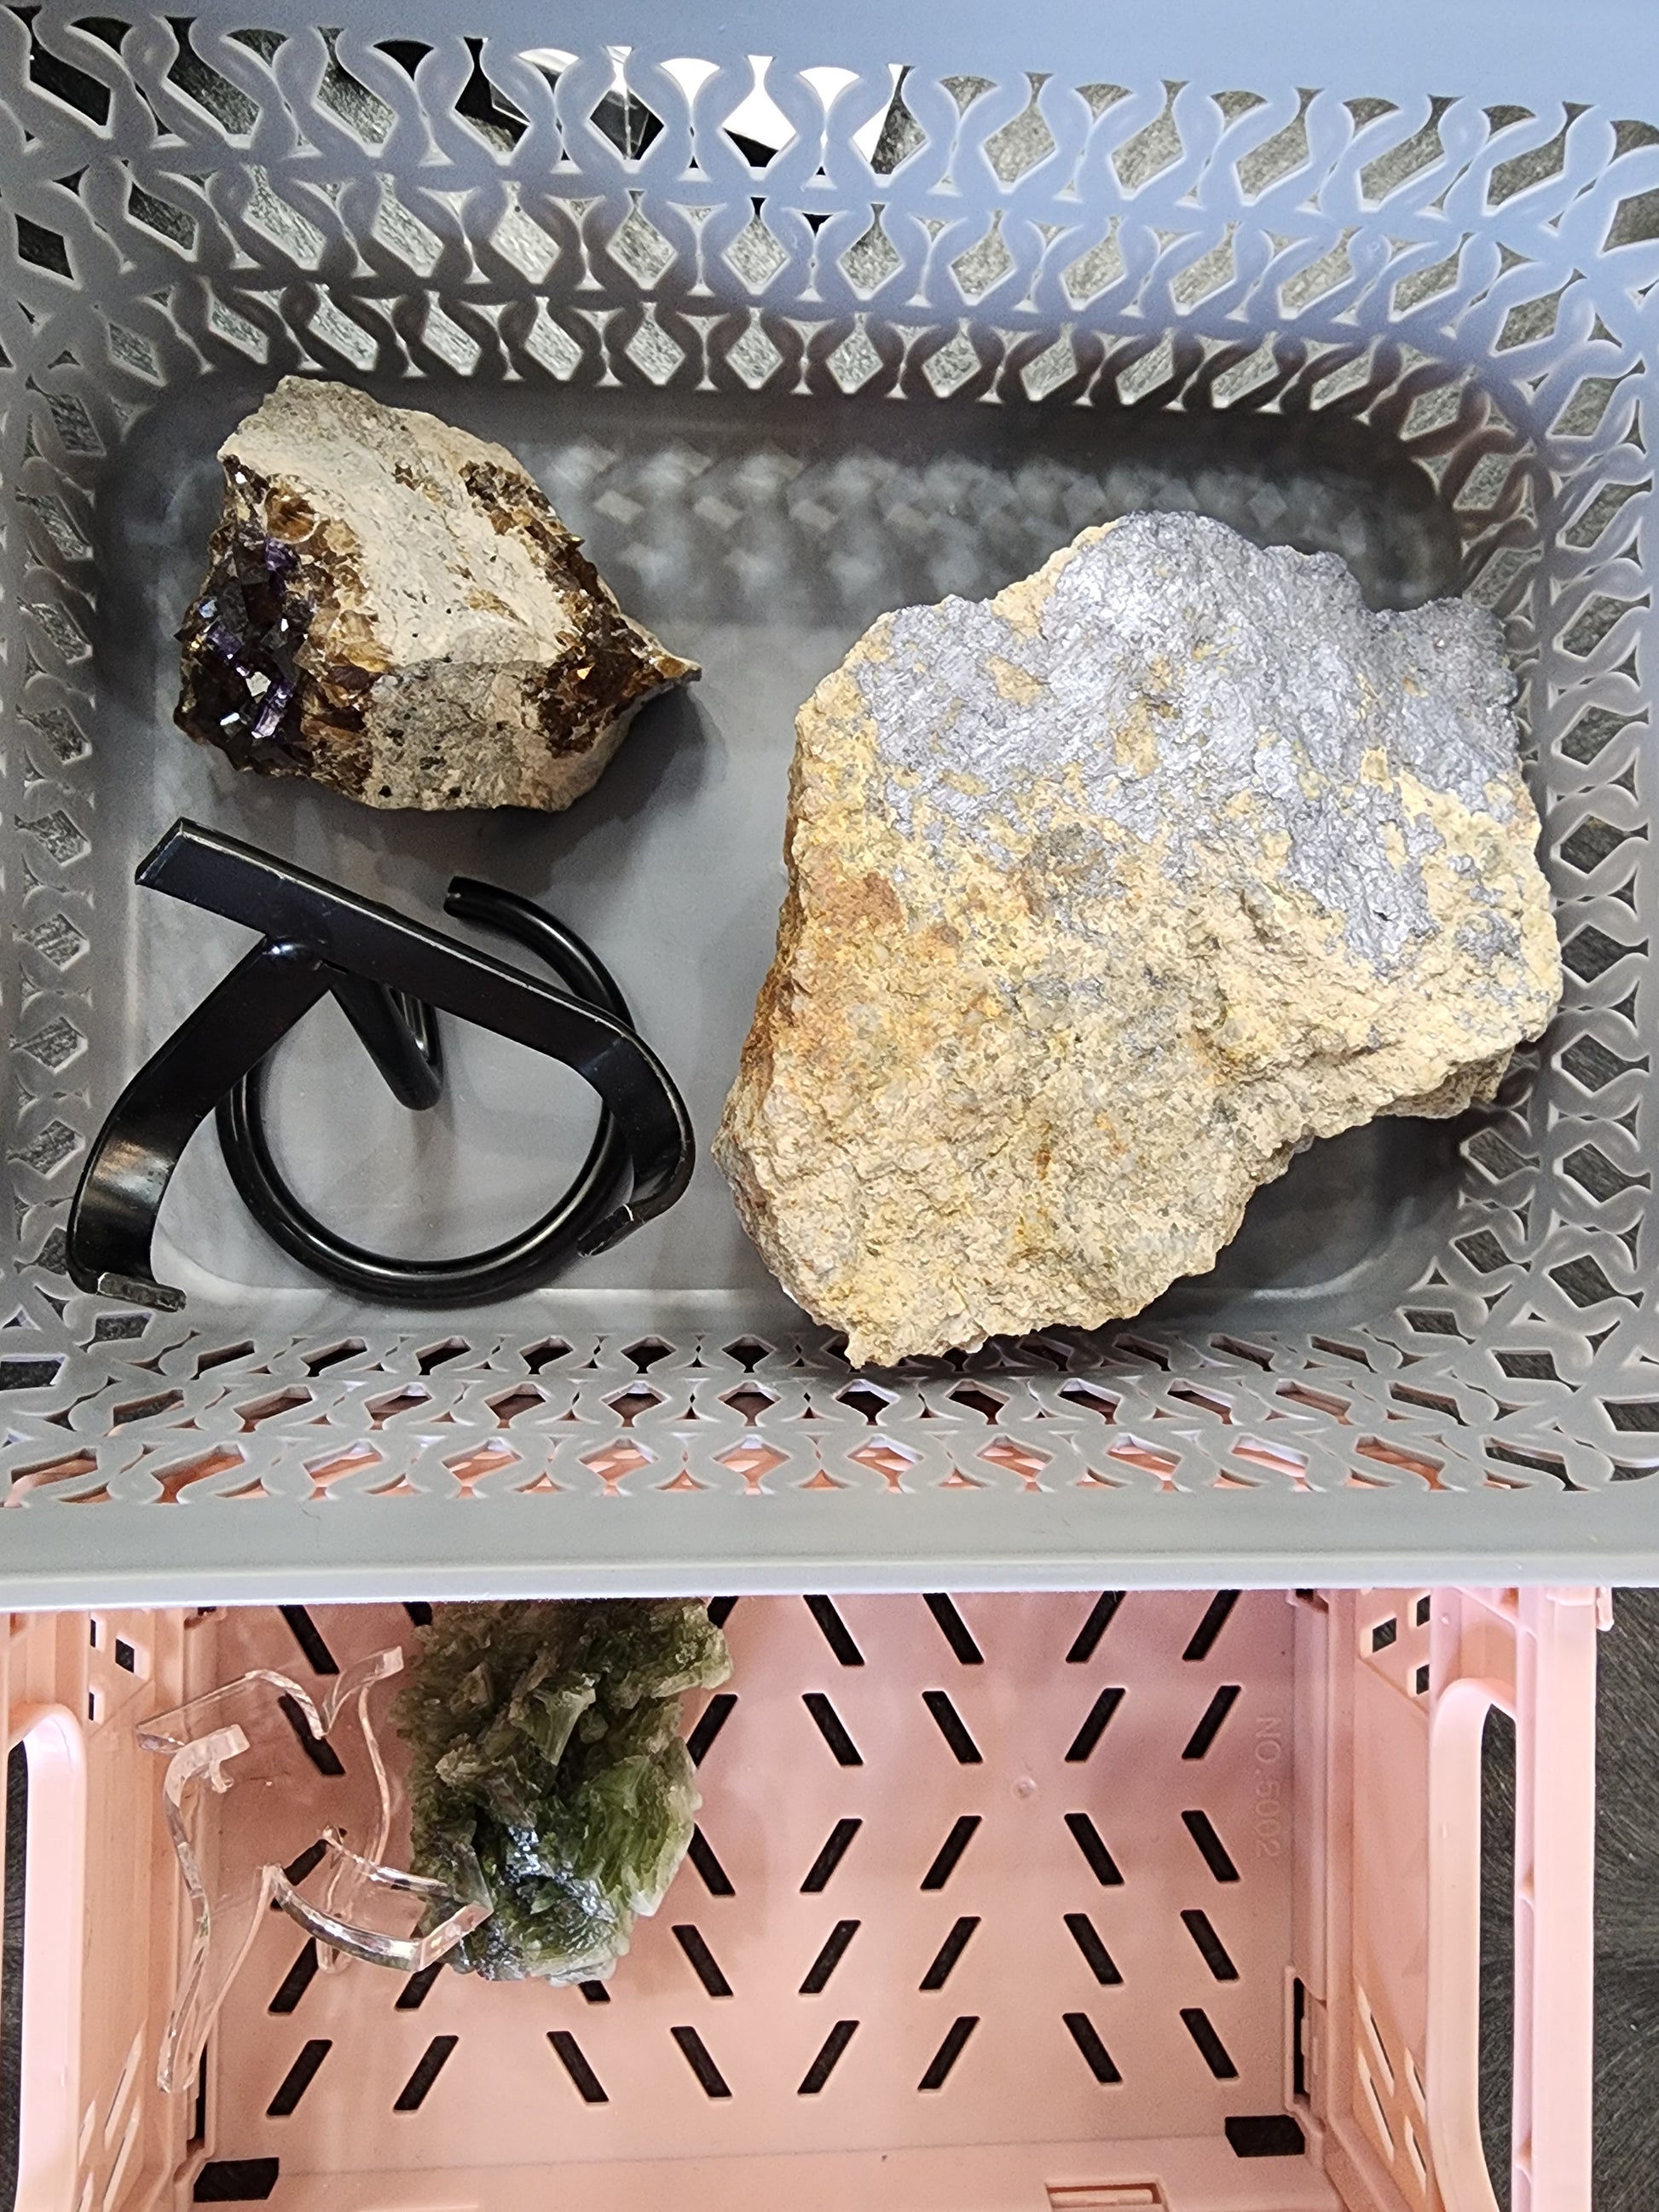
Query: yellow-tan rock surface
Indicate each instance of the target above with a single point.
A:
(1106, 895)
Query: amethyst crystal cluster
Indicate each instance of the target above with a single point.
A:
(241, 641)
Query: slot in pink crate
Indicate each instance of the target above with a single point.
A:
(1021, 1901)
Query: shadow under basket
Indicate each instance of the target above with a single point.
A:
(787, 350)
(1066, 1903)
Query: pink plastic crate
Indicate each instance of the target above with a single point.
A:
(1017, 1901)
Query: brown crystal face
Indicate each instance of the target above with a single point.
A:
(608, 666)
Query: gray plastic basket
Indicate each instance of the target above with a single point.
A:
(790, 344)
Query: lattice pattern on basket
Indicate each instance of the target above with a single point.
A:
(1468, 280)
(485, 1416)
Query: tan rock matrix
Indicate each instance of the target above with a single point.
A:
(393, 608)
(1106, 894)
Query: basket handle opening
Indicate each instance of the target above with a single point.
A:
(1455, 1741)
(45, 1856)
(1551, 1703)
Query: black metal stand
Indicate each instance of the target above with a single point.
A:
(389, 976)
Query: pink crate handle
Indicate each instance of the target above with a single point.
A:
(1553, 1704)
(54, 1915)
(1453, 2037)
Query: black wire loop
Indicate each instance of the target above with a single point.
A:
(402, 1036)
(392, 977)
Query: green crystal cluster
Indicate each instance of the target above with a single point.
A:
(547, 1773)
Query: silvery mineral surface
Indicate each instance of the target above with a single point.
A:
(393, 608)
(1104, 896)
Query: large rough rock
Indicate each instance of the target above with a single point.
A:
(1105, 896)
(393, 608)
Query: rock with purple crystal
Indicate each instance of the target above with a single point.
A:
(394, 609)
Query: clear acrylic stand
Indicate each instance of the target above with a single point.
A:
(307, 1829)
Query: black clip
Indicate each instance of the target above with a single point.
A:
(389, 975)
